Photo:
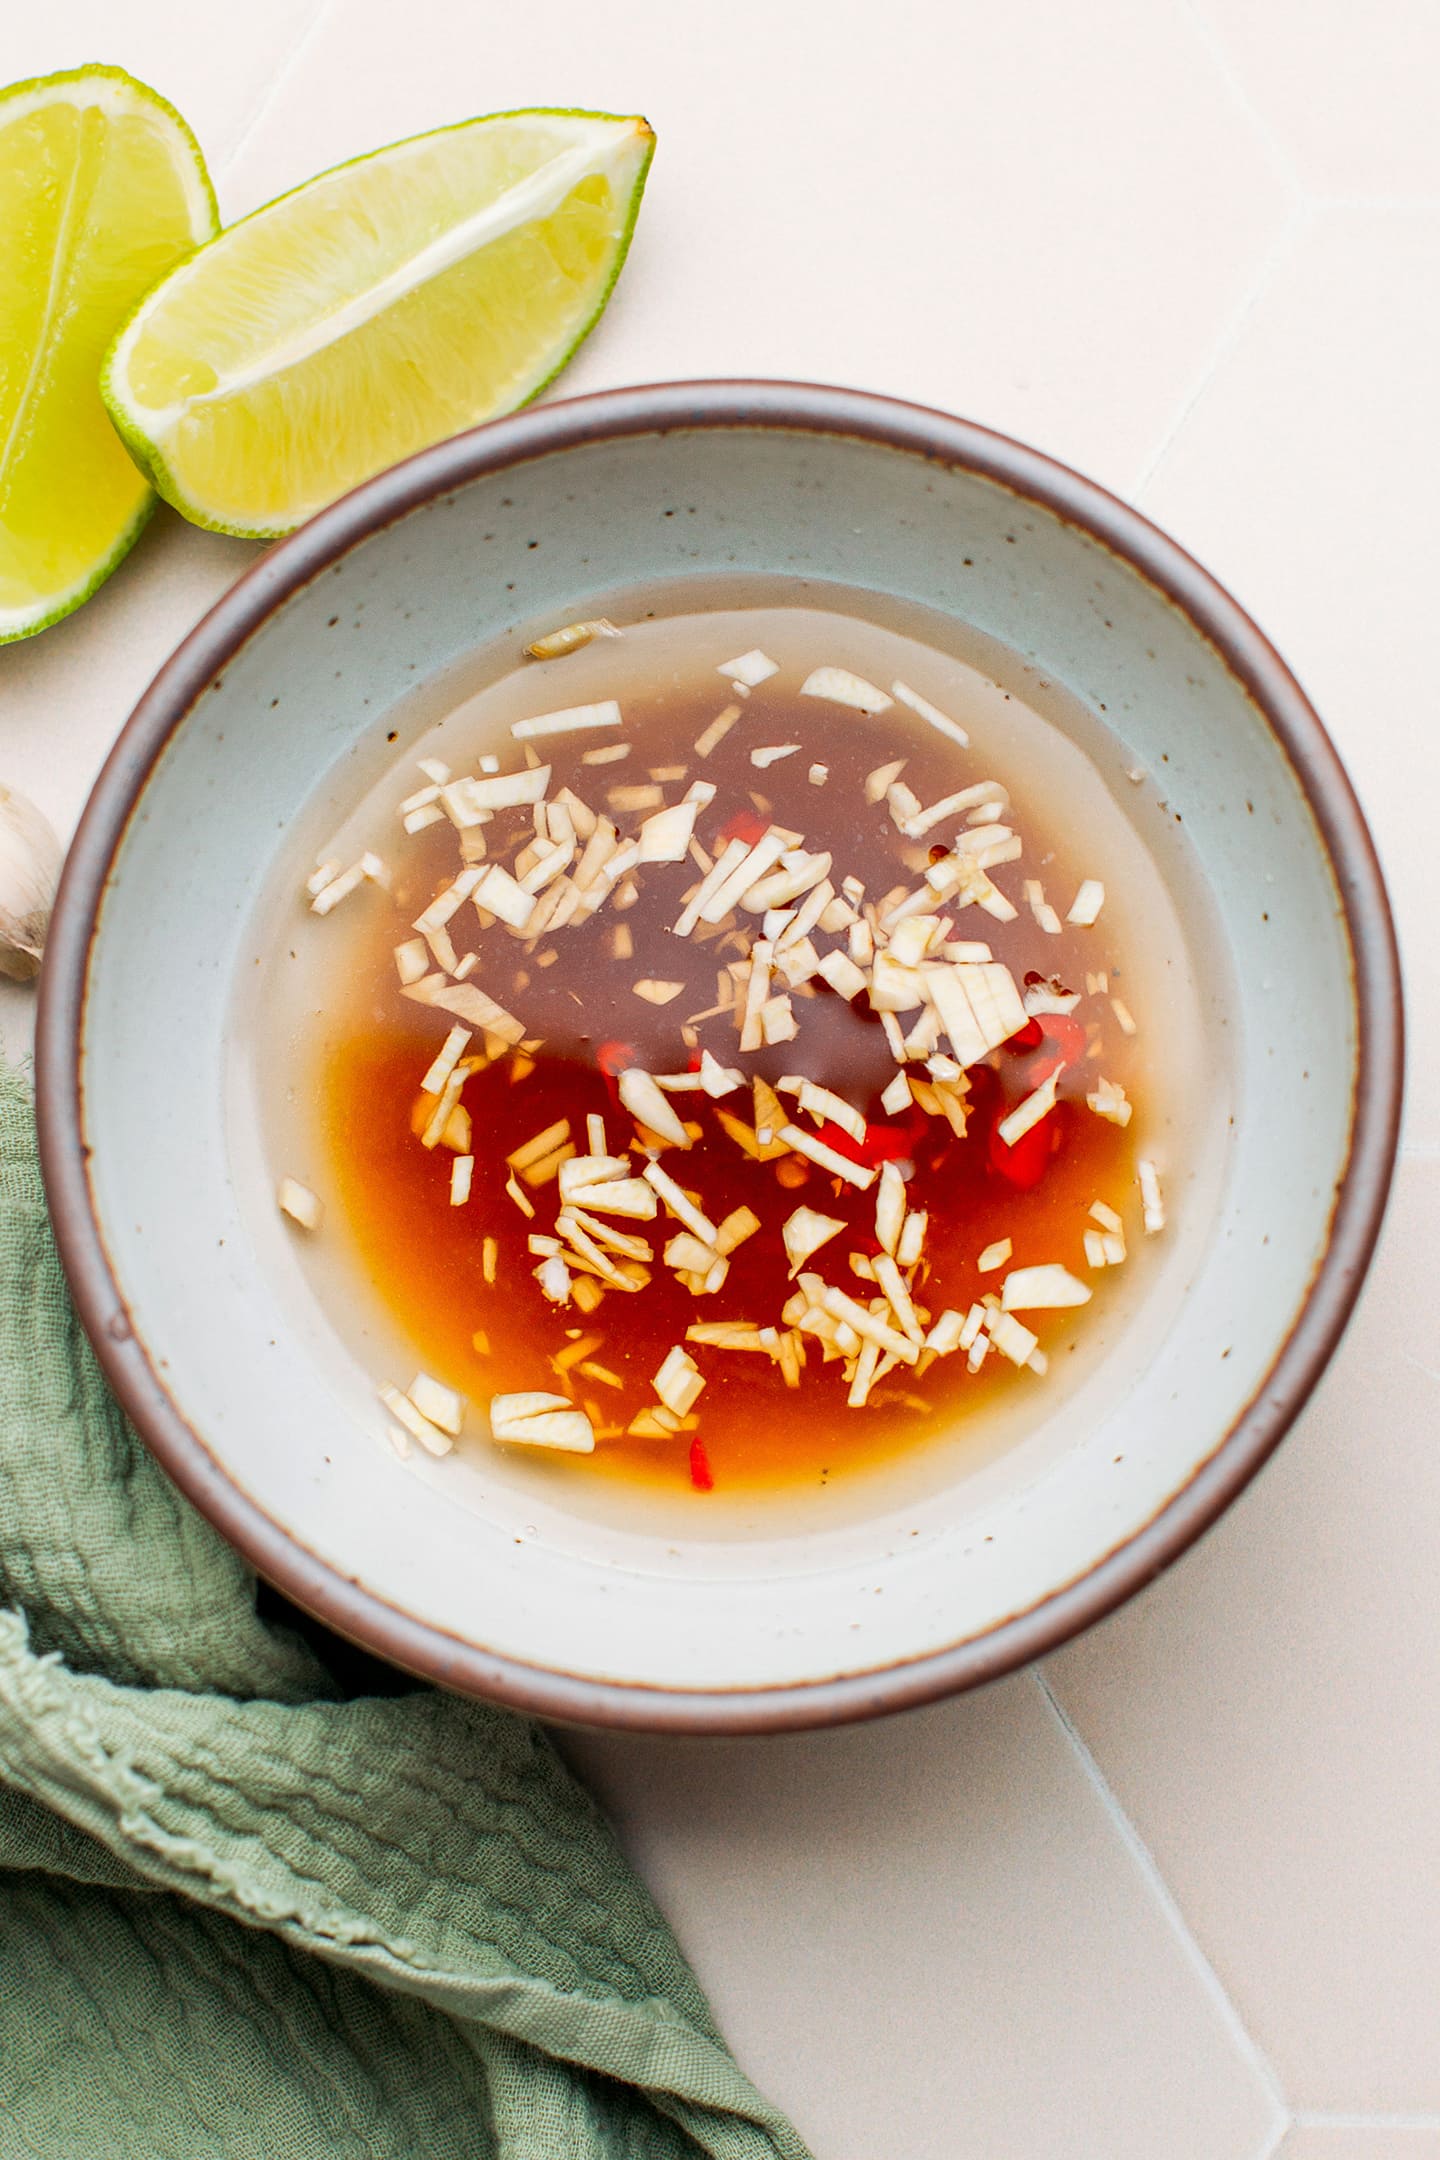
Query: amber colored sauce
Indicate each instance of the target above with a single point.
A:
(425, 1257)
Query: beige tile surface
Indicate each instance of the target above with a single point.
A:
(215, 65)
(1306, 478)
(980, 208)
(1269, 1714)
(938, 1937)
(1348, 90)
(1361, 2141)
(963, 1957)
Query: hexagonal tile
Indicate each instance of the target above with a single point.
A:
(1270, 1713)
(930, 1936)
(1361, 2141)
(1015, 212)
(1348, 90)
(1306, 477)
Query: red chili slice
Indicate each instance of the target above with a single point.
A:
(1027, 1038)
(702, 1477)
(614, 1057)
(1024, 1164)
(744, 825)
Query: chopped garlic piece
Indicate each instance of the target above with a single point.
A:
(689, 1255)
(555, 1279)
(646, 1102)
(321, 876)
(299, 1203)
(462, 1170)
(605, 714)
(1106, 1217)
(805, 1232)
(879, 782)
(772, 754)
(840, 971)
(1011, 1337)
(556, 643)
(751, 669)
(1151, 1202)
(930, 714)
(818, 775)
(503, 895)
(843, 688)
(890, 1206)
(679, 1203)
(912, 1238)
(538, 1420)
(995, 1256)
(777, 1020)
(717, 1079)
(640, 795)
(740, 1224)
(470, 802)
(518, 1195)
(1085, 907)
(656, 993)
(412, 961)
(869, 1326)
(896, 1099)
(679, 1381)
(440, 1404)
(339, 888)
(1096, 1255)
(984, 794)
(1124, 1019)
(1028, 1113)
(419, 1427)
(1037, 1289)
(1039, 906)
(489, 1259)
(1108, 1100)
(732, 1335)
(805, 1143)
(415, 821)
(710, 738)
(447, 1058)
(946, 1335)
(542, 1144)
(666, 836)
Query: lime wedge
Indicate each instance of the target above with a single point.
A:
(102, 190)
(379, 308)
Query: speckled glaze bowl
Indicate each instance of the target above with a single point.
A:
(160, 1192)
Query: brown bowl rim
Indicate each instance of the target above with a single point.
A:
(342, 1602)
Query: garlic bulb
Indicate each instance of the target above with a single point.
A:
(30, 860)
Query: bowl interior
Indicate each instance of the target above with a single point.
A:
(283, 1415)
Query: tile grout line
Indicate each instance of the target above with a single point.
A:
(277, 83)
(1293, 224)
(1256, 117)
(1328, 2119)
(1149, 1870)
(1275, 2141)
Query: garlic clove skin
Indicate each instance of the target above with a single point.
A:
(30, 858)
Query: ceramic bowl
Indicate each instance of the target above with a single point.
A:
(214, 1338)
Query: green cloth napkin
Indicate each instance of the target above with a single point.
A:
(258, 1898)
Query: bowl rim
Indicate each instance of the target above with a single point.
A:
(341, 1601)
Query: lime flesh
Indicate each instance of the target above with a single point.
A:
(102, 190)
(379, 308)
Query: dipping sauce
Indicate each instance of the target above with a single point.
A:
(727, 1078)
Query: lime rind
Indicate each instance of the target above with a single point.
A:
(147, 453)
(129, 93)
